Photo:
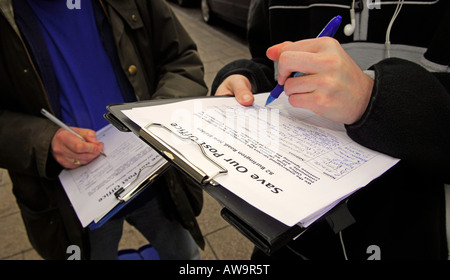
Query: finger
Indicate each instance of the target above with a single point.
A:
(322, 104)
(76, 161)
(308, 100)
(66, 154)
(69, 163)
(243, 95)
(223, 90)
(240, 87)
(88, 134)
(72, 163)
(303, 84)
(315, 45)
(308, 45)
(304, 62)
(274, 52)
(78, 146)
(70, 160)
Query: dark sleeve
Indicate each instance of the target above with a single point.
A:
(408, 116)
(259, 70)
(26, 149)
(255, 72)
(258, 28)
(180, 70)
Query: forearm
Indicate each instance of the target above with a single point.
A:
(408, 117)
(25, 144)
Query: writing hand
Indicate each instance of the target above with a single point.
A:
(239, 86)
(334, 87)
(71, 152)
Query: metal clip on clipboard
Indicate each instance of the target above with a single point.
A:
(119, 194)
(178, 159)
(123, 195)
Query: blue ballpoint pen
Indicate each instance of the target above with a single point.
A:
(329, 30)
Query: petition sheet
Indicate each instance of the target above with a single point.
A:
(285, 161)
(91, 187)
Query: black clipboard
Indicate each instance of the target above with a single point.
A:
(120, 194)
(267, 233)
(125, 195)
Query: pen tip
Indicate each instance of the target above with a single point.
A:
(270, 99)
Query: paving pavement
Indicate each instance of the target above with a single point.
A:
(216, 47)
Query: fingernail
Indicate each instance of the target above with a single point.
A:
(246, 98)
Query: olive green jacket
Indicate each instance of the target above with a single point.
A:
(159, 59)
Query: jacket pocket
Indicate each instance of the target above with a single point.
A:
(45, 231)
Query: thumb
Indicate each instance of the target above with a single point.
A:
(239, 86)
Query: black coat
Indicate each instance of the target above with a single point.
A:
(408, 117)
(146, 35)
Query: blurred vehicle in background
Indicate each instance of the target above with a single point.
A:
(185, 3)
(233, 11)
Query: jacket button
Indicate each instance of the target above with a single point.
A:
(132, 70)
(134, 17)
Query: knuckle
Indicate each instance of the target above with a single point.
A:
(326, 81)
(333, 62)
(287, 87)
(286, 45)
(284, 58)
(57, 150)
(79, 146)
(329, 41)
(322, 103)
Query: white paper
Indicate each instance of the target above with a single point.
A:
(91, 187)
(285, 161)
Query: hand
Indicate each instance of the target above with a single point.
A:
(71, 152)
(239, 86)
(334, 87)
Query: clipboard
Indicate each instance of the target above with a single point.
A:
(124, 195)
(99, 190)
(337, 166)
(267, 233)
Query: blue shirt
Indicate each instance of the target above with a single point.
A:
(83, 69)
